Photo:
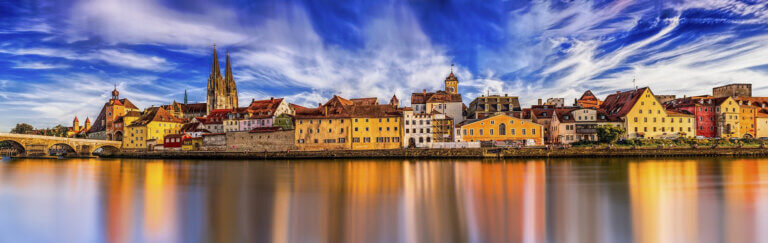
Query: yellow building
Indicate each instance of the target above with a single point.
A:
(376, 127)
(326, 127)
(642, 116)
(192, 144)
(728, 112)
(501, 127)
(747, 121)
(761, 124)
(153, 125)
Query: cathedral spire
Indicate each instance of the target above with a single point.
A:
(185, 96)
(228, 73)
(215, 68)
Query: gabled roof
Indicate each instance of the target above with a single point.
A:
(365, 101)
(97, 125)
(155, 114)
(619, 104)
(128, 104)
(588, 95)
(436, 97)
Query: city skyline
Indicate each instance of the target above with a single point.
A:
(62, 59)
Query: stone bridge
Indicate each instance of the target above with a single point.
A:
(37, 145)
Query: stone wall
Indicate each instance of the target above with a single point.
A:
(450, 153)
(261, 141)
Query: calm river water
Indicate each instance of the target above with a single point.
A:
(563, 200)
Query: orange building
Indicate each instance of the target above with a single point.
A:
(502, 128)
(588, 100)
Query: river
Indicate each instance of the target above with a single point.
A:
(555, 200)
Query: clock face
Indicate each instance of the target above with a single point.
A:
(450, 89)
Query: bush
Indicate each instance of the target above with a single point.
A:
(609, 134)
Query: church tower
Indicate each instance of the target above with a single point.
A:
(222, 92)
(451, 83)
(230, 85)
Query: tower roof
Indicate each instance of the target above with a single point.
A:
(215, 68)
(229, 79)
(76, 120)
(87, 120)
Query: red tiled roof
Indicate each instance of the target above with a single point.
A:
(619, 104)
(436, 97)
(156, 114)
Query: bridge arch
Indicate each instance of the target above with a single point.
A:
(105, 149)
(64, 148)
(13, 144)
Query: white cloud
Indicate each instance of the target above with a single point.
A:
(144, 21)
(39, 65)
(121, 58)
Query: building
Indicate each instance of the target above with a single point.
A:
(442, 128)
(761, 122)
(733, 90)
(588, 100)
(263, 139)
(748, 116)
(222, 91)
(78, 131)
(153, 125)
(448, 102)
(326, 127)
(728, 122)
(556, 102)
(502, 128)
(264, 113)
(703, 110)
(376, 126)
(110, 121)
(192, 144)
(417, 129)
(186, 111)
(571, 125)
(541, 114)
(486, 106)
(642, 116)
(173, 141)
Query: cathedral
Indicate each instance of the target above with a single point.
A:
(222, 92)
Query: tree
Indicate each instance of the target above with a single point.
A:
(22, 128)
(59, 131)
(609, 134)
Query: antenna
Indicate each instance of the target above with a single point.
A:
(451, 67)
(634, 82)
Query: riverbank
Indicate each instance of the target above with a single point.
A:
(451, 153)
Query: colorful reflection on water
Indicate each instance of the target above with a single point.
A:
(568, 200)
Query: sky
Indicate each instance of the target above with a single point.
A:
(61, 58)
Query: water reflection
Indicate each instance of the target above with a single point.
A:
(574, 200)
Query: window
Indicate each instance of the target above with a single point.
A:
(533, 131)
(513, 131)
(491, 131)
(502, 129)
(355, 140)
(355, 129)
(481, 132)
(366, 140)
(523, 131)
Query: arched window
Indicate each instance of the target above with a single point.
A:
(502, 129)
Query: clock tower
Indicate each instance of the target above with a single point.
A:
(451, 83)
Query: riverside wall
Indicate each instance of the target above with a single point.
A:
(450, 153)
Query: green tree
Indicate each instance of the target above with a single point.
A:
(22, 128)
(609, 134)
(59, 131)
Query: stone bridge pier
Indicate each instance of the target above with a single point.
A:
(36, 145)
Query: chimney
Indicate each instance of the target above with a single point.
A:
(271, 98)
(505, 95)
(424, 91)
(319, 105)
(539, 101)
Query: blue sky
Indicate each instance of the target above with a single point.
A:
(61, 58)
